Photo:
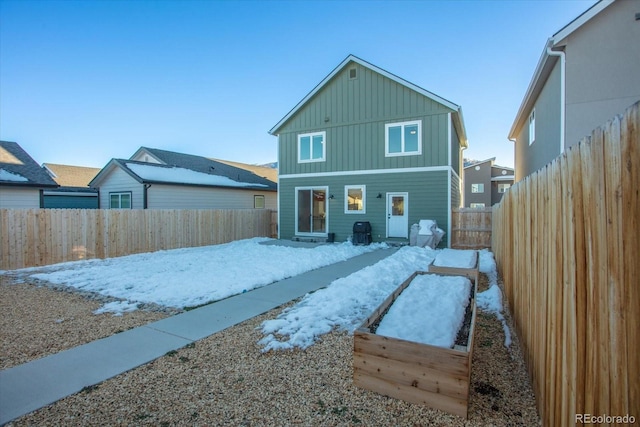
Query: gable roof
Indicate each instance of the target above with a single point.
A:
(71, 176)
(547, 62)
(18, 169)
(185, 169)
(458, 119)
(266, 172)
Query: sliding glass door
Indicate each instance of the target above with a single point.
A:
(311, 206)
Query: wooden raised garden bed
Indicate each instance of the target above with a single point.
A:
(455, 261)
(419, 373)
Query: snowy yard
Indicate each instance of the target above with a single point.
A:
(195, 276)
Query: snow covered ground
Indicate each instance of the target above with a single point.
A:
(195, 276)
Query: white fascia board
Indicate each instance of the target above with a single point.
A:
(580, 21)
(531, 90)
(367, 172)
(493, 159)
(553, 41)
(352, 58)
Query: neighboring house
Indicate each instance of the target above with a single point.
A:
(588, 72)
(159, 179)
(485, 183)
(22, 180)
(367, 146)
(74, 191)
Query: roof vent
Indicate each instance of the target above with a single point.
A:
(353, 73)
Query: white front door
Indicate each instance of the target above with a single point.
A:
(398, 215)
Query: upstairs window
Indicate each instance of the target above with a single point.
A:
(477, 188)
(120, 200)
(403, 139)
(258, 202)
(532, 127)
(312, 147)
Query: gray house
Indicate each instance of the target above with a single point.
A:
(588, 72)
(22, 180)
(485, 183)
(160, 179)
(367, 146)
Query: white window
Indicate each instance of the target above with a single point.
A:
(120, 200)
(403, 139)
(355, 199)
(477, 205)
(312, 147)
(532, 127)
(502, 188)
(258, 202)
(477, 188)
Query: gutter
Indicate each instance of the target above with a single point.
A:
(561, 54)
(144, 195)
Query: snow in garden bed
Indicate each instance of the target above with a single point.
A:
(429, 311)
(456, 258)
(347, 302)
(194, 276)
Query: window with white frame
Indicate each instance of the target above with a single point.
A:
(355, 199)
(403, 139)
(532, 126)
(477, 188)
(476, 205)
(120, 200)
(258, 202)
(312, 147)
(502, 188)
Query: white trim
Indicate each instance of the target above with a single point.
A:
(449, 138)
(563, 102)
(346, 199)
(450, 208)
(378, 70)
(311, 159)
(403, 151)
(404, 194)
(532, 126)
(581, 20)
(366, 172)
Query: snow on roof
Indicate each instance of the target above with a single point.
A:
(9, 176)
(503, 178)
(184, 176)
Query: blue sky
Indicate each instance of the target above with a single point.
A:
(82, 82)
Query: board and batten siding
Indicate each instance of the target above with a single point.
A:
(193, 197)
(118, 181)
(19, 198)
(353, 113)
(428, 196)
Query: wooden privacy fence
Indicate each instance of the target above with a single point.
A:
(471, 228)
(567, 243)
(34, 237)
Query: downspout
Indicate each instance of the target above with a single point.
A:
(561, 54)
(144, 195)
(462, 184)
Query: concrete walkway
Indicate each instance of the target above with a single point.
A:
(33, 385)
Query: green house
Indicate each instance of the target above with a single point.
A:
(366, 145)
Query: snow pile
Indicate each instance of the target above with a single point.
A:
(117, 308)
(456, 258)
(5, 175)
(491, 299)
(429, 311)
(195, 276)
(345, 303)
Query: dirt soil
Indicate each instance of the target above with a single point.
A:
(225, 379)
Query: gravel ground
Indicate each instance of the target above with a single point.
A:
(226, 380)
